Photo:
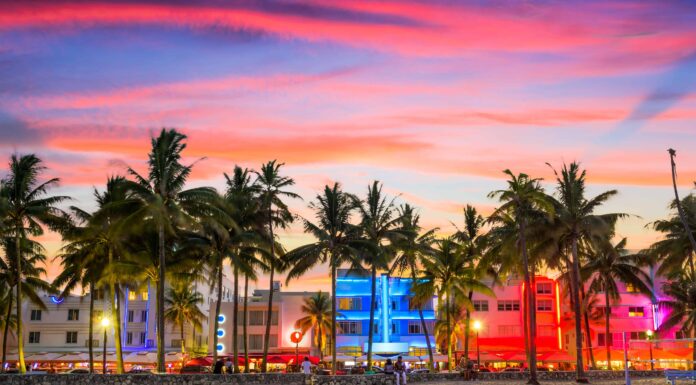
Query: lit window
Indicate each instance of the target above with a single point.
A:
(131, 296)
(636, 311)
(631, 288)
(145, 297)
(349, 303)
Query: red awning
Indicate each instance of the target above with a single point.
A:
(557, 357)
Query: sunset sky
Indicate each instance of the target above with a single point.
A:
(432, 98)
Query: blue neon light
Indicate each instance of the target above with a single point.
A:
(220, 333)
(57, 300)
(221, 319)
(220, 347)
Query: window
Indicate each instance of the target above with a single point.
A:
(602, 339)
(98, 315)
(34, 337)
(143, 316)
(73, 314)
(635, 311)
(130, 315)
(418, 352)
(631, 288)
(273, 341)
(393, 305)
(35, 315)
(274, 317)
(414, 327)
(544, 305)
(255, 341)
(349, 327)
(394, 328)
(349, 303)
(544, 288)
(509, 330)
(256, 317)
(142, 338)
(509, 305)
(145, 296)
(71, 337)
(129, 338)
(480, 304)
(639, 336)
(98, 295)
(131, 296)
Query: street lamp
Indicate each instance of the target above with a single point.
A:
(649, 333)
(477, 327)
(296, 337)
(105, 324)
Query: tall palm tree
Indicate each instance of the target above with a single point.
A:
(318, 319)
(33, 258)
(412, 247)
(682, 306)
(182, 301)
(609, 264)
(523, 198)
(272, 191)
(674, 250)
(29, 209)
(575, 215)
(378, 225)
(335, 243)
(682, 216)
(168, 207)
(447, 275)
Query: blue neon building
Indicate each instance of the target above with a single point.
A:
(397, 328)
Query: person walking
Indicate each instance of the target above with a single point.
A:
(400, 369)
(217, 369)
(228, 366)
(306, 366)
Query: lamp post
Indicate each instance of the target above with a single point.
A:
(649, 333)
(477, 327)
(105, 324)
(296, 337)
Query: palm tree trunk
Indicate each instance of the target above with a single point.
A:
(320, 341)
(607, 340)
(424, 326)
(218, 303)
(525, 324)
(531, 308)
(235, 320)
(371, 327)
(448, 310)
(682, 216)
(467, 327)
(580, 369)
(20, 335)
(116, 317)
(244, 325)
(160, 300)
(267, 334)
(586, 317)
(183, 341)
(5, 332)
(91, 327)
(333, 319)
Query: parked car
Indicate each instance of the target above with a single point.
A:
(77, 371)
(195, 369)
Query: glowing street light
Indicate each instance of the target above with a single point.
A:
(296, 337)
(105, 322)
(649, 333)
(477, 327)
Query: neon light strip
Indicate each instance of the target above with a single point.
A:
(385, 308)
(558, 316)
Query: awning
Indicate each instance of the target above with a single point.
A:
(73, 357)
(42, 357)
(340, 358)
(557, 357)
(486, 356)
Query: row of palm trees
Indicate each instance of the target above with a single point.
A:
(149, 229)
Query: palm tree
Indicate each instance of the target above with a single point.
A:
(682, 306)
(377, 225)
(447, 275)
(277, 214)
(674, 250)
(182, 301)
(412, 247)
(575, 215)
(334, 244)
(448, 334)
(168, 207)
(28, 209)
(318, 318)
(611, 263)
(682, 216)
(523, 199)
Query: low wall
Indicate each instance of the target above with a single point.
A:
(298, 379)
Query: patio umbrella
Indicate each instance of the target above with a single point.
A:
(140, 358)
(486, 356)
(171, 357)
(73, 357)
(277, 360)
(200, 361)
(42, 357)
(338, 358)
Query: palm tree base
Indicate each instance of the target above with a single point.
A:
(582, 380)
